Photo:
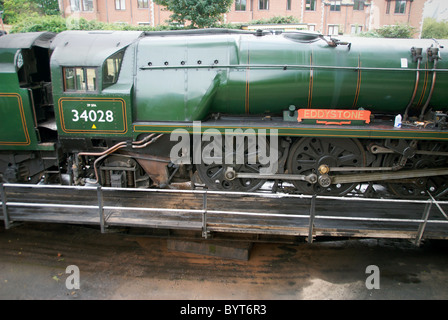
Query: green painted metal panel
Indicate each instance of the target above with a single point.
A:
(93, 115)
(276, 71)
(16, 118)
(179, 93)
(13, 124)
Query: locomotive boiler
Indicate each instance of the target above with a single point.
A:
(101, 107)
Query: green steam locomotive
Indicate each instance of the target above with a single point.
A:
(133, 109)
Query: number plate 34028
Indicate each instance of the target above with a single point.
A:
(96, 115)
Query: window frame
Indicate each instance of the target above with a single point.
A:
(113, 56)
(121, 6)
(84, 5)
(75, 5)
(359, 5)
(333, 26)
(399, 6)
(265, 4)
(335, 5)
(84, 72)
(310, 5)
(239, 4)
(142, 4)
(357, 28)
(80, 5)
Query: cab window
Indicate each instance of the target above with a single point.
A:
(80, 79)
(111, 69)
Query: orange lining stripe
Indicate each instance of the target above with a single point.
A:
(310, 92)
(22, 116)
(358, 84)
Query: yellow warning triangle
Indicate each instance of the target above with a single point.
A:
(94, 127)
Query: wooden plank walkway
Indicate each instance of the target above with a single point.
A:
(212, 211)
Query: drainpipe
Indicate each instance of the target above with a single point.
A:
(96, 9)
(323, 20)
(372, 5)
(107, 12)
(346, 16)
(151, 14)
(301, 11)
(62, 7)
(409, 13)
(132, 18)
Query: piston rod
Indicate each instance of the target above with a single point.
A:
(346, 178)
(405, 174)
(230, 174)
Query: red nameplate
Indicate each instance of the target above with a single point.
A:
(333, 116)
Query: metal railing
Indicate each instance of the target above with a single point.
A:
(204, 211)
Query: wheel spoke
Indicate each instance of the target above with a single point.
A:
(216, 173)
(307, 154)
(213, 175)
(348, 159)
(418, 188)
(306, 165)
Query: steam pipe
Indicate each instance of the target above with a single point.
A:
(434, 75)
(417, 80)
(140, 145)
(120, 145)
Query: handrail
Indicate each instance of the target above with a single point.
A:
(215, 192)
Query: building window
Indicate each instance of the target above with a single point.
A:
(310, 5)
(79, 79)
(356, 29)
(358, 5)
(87, 5)
(288, 4)
(333, 30)
(81, 5)
(311, 27)
(335, 5)
(400, 6)
(74, 5)
(120, 4)
(263, 4)
(388, 7)
(141, 4)
(240, 5)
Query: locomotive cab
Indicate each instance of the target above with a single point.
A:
(35, 76)
(31, 66)
(93, 93)
(27, 127)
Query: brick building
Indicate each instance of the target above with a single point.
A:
(327, 16)
(133, 12)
